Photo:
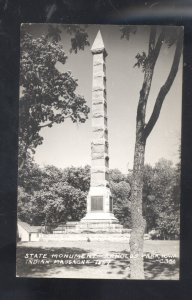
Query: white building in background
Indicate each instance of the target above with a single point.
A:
(27, 233)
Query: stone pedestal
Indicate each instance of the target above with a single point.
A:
(99, 205)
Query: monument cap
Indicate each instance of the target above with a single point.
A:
(98, 45)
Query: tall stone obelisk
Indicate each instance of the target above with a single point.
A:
(99, 199)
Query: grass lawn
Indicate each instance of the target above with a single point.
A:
(99, 260)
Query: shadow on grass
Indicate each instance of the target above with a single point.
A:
(121, 266)
(160, 268)
(51, 265)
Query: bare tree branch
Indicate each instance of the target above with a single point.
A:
(165, 88)
(48, 124)
(158, 46)
(152, 38)
(154, 50)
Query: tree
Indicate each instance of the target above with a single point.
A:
(161, 191)
(149, 201)
(60, 203)
(147, 61)
(50, 195)
(78, 177)
(120, 189)
(168, 210)
(48, 96)
(30, 177)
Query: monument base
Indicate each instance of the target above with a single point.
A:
(100, 222)
(99, 216)
(91, 226)
(99, 227)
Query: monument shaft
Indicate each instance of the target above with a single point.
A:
(99, 199)
(99, 147)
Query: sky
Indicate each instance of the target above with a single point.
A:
(69, 144)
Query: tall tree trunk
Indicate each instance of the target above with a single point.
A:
(142, 132)
(137, 220)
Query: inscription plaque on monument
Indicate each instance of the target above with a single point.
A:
(96, 203)
(111, 203)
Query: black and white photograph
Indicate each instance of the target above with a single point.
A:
(99, 157)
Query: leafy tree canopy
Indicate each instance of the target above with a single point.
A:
(58, 196)
(120, 189)
(161, 193)
(51, 195)
(47, 95)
